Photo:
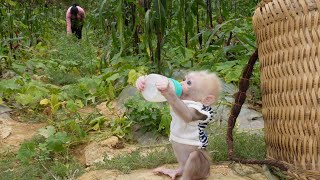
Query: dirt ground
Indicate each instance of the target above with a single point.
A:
(225, 171)
(13, 133)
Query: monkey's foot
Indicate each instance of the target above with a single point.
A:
(173, 173)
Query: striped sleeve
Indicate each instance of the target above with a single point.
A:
(205, 110)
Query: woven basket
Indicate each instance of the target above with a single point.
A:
(288, 37)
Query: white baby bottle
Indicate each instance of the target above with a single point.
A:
(150, 91)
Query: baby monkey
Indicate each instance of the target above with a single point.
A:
(190, 114)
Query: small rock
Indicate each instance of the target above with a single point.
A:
(242, 169)
(5, 131)
(250, 171)
(126, 93)
(4, 109)
(94, 154)
(250, 120)
(179, 74)
(223, 112)
(146, 138)
(111, 110)
(229, 89)
(119, 145)
(110, 142)
(8, 74)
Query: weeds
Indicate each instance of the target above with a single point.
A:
(247, 146)
(10, 169)
(36, 159)
(137, 160)
(150, 116)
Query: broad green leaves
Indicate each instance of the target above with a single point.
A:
(47, 131)
(230, 70)
(9, 85)
(73, 106)
(97, 123)
(10, 2)
(54, 142)
(152, 117)
(57, 142)
(133, 76)
(121, 127)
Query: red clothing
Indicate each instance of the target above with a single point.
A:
(80, 16)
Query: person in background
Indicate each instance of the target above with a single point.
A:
(75, 17)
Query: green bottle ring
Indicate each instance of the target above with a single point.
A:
(177, 87)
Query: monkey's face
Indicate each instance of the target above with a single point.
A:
(191, 86)
(198, 87)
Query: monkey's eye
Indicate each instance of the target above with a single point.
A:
(189, 83)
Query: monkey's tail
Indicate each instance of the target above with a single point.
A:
(239, 100)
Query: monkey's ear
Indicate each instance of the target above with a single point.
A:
(207, 101)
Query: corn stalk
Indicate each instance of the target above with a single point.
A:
(159, 8)
(148, 25)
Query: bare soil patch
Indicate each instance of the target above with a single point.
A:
(16, 132)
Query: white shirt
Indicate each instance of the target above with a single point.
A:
(191, 133)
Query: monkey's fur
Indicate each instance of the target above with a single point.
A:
(203, 87)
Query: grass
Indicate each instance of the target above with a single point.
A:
(246, 146)
(57, 167)
(11, 168)
(137, 160)
(30, 116)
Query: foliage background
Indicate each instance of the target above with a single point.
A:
(48, 76)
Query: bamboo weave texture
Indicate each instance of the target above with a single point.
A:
(288, 38)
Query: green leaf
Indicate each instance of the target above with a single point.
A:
(44, 101)
(12, 3)
(96, 127)
(111, 92)
(8, 84)
(232, 76)
(54, 103)
(47, 131)
(19, 67)
(71, 106)
(25, 99)
(233, 48)
(100, 12)
(113, 77)
(26, 152)
(226, 65)
(57, 142)
(79, 103)
(97, 122)
(133, 76)
(247, 40)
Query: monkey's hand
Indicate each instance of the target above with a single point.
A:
(164, 86)
(140, 83)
